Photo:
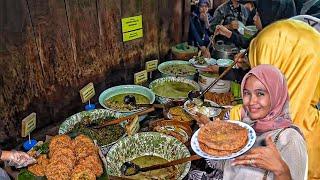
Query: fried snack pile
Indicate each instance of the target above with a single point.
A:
(179, 114)
(69, 159)
(221, 99)
(221, 138)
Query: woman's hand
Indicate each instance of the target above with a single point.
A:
(201, 119)
(267, 158)
(205, 52)
(234, 25)
(204, 17)
(242, 61)
(220, 29)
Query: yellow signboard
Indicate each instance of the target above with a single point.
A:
(128, 36)
(28, 124)
(87, 92)
(152, 65)
(131, 23)
(140, 77)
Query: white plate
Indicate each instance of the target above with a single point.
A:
(211, 112)
(251, 140)
(209, 61)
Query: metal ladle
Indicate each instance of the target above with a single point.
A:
(129, 168)
(131, 100)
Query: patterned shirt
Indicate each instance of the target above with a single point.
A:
(229, 13)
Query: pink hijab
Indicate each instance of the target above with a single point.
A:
(276, 85)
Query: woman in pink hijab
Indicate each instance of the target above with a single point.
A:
(279, 151)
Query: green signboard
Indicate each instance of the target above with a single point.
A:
(132, 35)
(132, 28)
(131, 23)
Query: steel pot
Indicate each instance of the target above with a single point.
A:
(224, 51)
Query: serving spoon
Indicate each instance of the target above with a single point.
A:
(129, 168)
(119, 120)
(131, 100)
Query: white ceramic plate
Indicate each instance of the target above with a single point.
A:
(210, 112)
(209, 61)
(251, 139)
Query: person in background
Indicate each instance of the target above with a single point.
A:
(199, 32)
(14, 158)
(279, 151)
(311, 20)
(231, 12)
(267, 13)
(252, 10)
(293, 47)
(308, 7)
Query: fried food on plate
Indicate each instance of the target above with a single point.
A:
(39, 168)
(93, 163)
(220, 138)
(60, 141)
(81, 172)
(57, 170)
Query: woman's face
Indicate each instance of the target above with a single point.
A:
(257, 21)
(203, 8)
(256, 98)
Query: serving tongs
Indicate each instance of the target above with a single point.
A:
(119, 120)
(200, 94)
(129, 168)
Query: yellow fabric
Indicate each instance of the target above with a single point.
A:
(235, 112)
(294, 48)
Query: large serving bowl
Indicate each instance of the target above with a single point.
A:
(147, 144)
(93, 115)
(172, 89)
(177, 68)
(124, 90)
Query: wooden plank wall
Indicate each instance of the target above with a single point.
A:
(49, 49)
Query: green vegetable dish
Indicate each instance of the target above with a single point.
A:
(172, 89)
(117, 102)
(104, 136)
(179, 69)
(200, 60)
(145, 161)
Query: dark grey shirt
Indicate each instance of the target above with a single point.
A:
(229, 13)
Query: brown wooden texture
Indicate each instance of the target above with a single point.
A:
(21, 79)
(132, 52)
(186, 18)
(150, 24)
(60, 70)
(50, 49)
(109, 14)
